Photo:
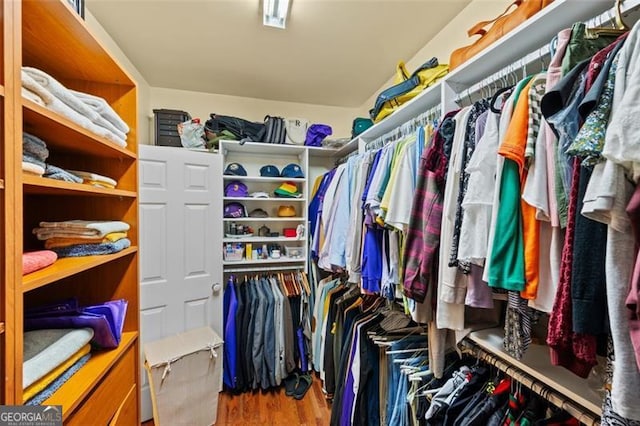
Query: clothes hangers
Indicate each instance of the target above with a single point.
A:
(618, 25)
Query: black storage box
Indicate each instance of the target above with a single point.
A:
(166, 126)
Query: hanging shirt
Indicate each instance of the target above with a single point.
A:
(401, 190)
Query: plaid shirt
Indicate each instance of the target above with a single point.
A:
(423, 234)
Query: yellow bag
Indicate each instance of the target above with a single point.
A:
(407, 87)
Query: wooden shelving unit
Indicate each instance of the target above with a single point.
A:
(51, 36)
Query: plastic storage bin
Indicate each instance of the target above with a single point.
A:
(291, 251)
(166, 126)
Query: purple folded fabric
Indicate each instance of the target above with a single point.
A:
(35, 260)
(106, 319)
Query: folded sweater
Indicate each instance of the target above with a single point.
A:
(79, 228)
(36, 260)
(34, 146)
(70, 241)
(54, 172)
(80, 250)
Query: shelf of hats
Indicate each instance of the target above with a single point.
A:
(265, 194)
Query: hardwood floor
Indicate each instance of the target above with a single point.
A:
(272, 408)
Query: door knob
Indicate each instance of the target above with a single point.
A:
(216, 287)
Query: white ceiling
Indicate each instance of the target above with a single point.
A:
(333, 52)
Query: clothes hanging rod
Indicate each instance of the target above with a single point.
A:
(261, 269)
(582, 414)
(406, 127)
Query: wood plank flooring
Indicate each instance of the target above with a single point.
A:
(272, 408)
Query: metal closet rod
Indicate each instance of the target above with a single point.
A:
(559, 400)
(260, 269)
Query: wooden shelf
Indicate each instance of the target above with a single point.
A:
(69, 266)
(62, 134)
(262, 179)
(1, 183)
(2, 90)
(39, 185)
(86, 378)
(1, 327)
(44, 21)
(263, 219)
(537, 364)
(283, 259)
(265, 239)
(264, 199)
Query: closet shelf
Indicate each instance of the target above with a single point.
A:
(262, 179)
(537, 364)
(265, 239)
(317, 151)
(55, 21)
(63, 134)
(2, 90)
(263, 219)
(281, 200)
(283, 259)
(71, 394)
(69, 266)
(262, 148)
(1, 327)
(44, 186)
(529, 36)
(1, 183)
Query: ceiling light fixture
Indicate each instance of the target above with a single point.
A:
(275, 13)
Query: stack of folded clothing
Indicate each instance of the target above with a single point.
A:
(54, 172)
(88, 111)
(74, 238)
(34, 154)
(95, 179)
(49, 355)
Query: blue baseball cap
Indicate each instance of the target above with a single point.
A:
(235, 169)
(292, 171)
(269, 171)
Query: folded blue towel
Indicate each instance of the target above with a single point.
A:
(78, 250)
(39, 398)
(35, 146)
(28, 158)
(54, 172)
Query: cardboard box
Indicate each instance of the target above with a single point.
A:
(185, 377)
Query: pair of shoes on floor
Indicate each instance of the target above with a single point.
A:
(297, 385)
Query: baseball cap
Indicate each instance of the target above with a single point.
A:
(292, 171)
(259, 194)
(258, 213)
(235, 169)
(286, 211)
(234, 210)
(236, 189)
(269, 171)
(288, 190)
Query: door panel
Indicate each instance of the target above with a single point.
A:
(180, 253)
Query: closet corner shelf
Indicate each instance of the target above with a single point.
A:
(265, 239)
(69, 266)
(44, 186)
(65, 135)
(85, 379)
(55, 36)
(537, 364)
(281, 200)
(264, 219)
(262, 179)
(262, 148)
(283, 259)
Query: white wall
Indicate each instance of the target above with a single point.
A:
(200, 105)
(144, 108)
(451, 37)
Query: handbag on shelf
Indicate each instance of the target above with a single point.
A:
(407, 87)
(296, 130)
(499, 26)
(106, 319)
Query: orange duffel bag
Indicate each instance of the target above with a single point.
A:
(501, 26)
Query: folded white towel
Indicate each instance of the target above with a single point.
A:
(55, 104)
(32, 96)
(104, 109)
(79, 228)
(34, 169)
(44, 350)
(94, 177)
(66, 96)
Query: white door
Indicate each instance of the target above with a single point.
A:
(180, 245)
